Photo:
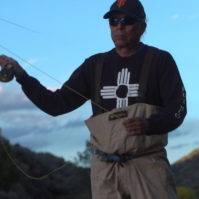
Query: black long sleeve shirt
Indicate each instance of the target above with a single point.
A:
(119, 86)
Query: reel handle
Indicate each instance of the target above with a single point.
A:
(7, 74)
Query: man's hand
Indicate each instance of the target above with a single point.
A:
(8, 62)
(136, 126)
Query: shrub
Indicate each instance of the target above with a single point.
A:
(186, 193)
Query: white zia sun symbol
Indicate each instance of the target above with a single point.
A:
(122, 91)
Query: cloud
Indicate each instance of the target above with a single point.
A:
(30, 62)
(194, 16)
(175, 16)
(185, 17)
(19, 125)
(179, 146)
(40, 132)
(28, 137)
(30, 118)
(185, 135)
(1, 89)
(35, 144)
(52, 88)
(189, 126)
(74, 124)
(183, 139)
(13, 101)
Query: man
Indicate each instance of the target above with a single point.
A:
(140, 98)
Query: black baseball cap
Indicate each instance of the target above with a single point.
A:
(132, 8)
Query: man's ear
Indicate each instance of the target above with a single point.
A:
(143, 27)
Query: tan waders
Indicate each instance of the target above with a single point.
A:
(128, 167)
(147, 175)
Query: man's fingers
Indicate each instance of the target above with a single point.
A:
(2, 60)
(135, 126)
(132, 124)
(6, 61)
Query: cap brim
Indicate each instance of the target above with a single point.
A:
(107, 15)
(112, 12)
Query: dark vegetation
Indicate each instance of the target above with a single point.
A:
(186, 172)
(72, 181)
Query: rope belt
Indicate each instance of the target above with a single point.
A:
(110, 158)
(120, 159)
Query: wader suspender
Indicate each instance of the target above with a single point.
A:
(98, 77)
(142, 81)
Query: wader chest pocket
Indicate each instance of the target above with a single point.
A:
(118, 115)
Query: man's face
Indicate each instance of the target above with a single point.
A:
(126, 36)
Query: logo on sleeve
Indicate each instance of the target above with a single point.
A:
(123, 91)
(182, 108)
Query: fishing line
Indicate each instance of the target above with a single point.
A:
(21, 170)
(53, 78)
(20, 26)
(71, 89)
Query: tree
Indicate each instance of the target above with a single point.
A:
(7, 171)
(186, 193)
(84, 158)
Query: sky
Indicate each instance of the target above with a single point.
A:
(56, 36)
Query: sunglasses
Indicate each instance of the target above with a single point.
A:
(114, 21)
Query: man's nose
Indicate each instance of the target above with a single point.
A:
(120, 25)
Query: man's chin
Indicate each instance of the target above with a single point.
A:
(120, 44)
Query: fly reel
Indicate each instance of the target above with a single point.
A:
(6, 74)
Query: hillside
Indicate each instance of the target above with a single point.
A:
(186, 171)
(72, 181)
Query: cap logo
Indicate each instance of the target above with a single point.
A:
(121, 3)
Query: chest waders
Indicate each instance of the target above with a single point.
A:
(128, 167)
